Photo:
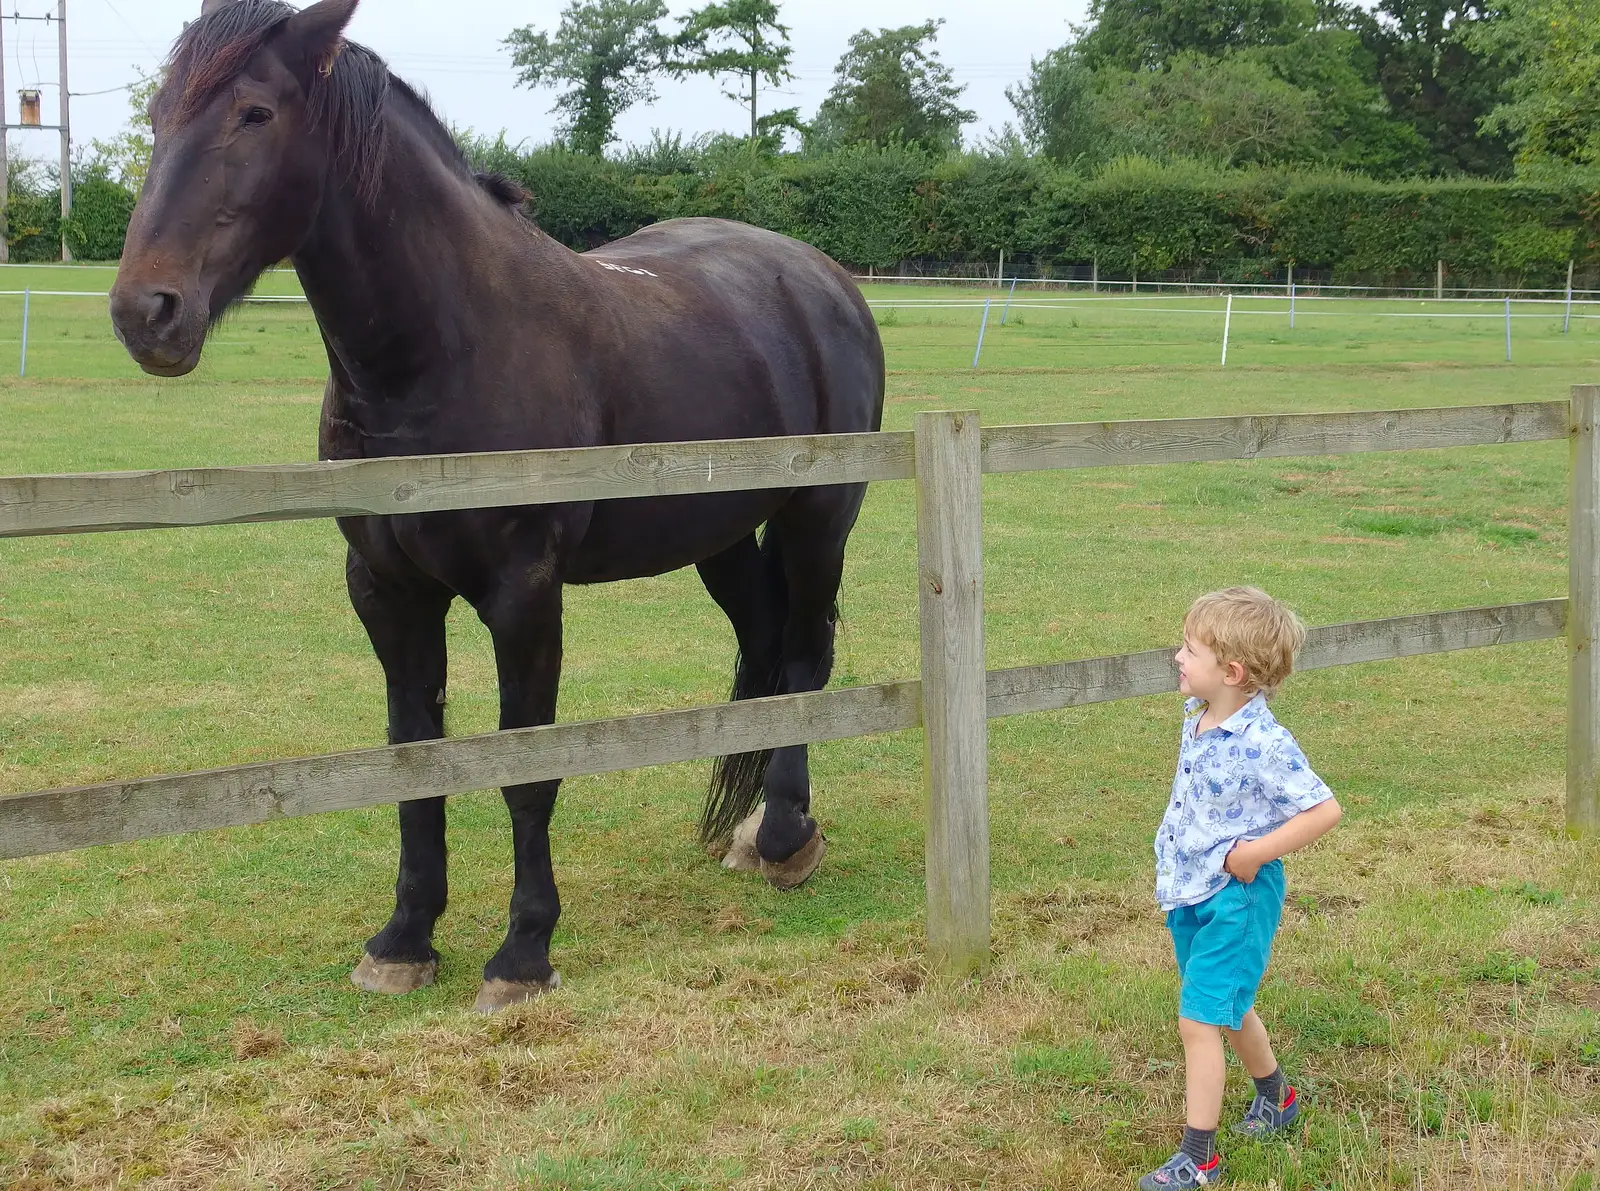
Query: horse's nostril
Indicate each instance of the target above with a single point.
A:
(161, 309)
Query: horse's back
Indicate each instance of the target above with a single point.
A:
(772, 316)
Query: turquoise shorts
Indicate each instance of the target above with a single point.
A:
(1223, 945)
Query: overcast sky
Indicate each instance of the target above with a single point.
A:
(453, 51)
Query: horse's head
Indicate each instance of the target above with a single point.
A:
(240, 164)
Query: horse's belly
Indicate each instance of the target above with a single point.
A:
(629, 539)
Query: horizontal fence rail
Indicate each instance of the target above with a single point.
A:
(119, 812)
(58, 504)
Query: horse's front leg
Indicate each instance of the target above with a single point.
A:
(406, 625)
(526, 627)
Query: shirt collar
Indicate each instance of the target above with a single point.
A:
(1241, 719)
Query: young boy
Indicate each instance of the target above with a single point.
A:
(1243, 797)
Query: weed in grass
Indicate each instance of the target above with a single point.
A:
(1429, 1110)
(1330, 1019)
(620, 1173)
(1502, 967)
(858, 1129)
(1479, 1104)
(1509, 535)
(1078, 1065)
(1535, 896)
(1397, 524)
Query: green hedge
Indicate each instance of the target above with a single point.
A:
(868, 208)
(95, 230)
(879, 208)
(99, 220)
(33, 226)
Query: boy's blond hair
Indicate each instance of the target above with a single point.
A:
(1246, 625)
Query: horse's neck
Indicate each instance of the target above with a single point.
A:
(401, 286)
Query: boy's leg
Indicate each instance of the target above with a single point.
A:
(1196, 1163)
(1254, 1048)
(1204, 1072)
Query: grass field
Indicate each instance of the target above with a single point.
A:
(176, 1013)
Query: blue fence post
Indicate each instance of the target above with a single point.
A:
(982, 327)
(1009, 296)
(23, 371)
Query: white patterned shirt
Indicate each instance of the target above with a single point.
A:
(1238, 781)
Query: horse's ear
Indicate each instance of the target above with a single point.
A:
(319, 31)
(210, 4)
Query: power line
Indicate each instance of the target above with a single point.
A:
(139, 36)
(107, 91)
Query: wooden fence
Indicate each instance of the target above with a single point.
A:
(947, 455)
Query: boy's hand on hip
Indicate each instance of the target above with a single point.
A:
(1240, 863)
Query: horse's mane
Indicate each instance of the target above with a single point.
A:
(347, 102)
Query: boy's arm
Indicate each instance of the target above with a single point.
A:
(1246, 857)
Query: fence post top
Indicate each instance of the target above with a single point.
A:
(956, 417)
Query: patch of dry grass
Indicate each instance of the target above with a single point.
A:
(1432, 991)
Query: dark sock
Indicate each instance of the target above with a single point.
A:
(1271, 1087)
(1199, 1144)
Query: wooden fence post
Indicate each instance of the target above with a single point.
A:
(955, 715)
(1583, 618)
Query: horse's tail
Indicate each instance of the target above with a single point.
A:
(736, 780)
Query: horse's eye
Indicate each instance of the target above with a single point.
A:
(255, 116)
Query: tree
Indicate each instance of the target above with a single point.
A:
(1147, 34)
(891, 87)
(1357, 130)
(1434, 80)
(607, 50)
(126, 157)
(1233, 111)
(741, 38)
(1551, 52)
(1056, 104)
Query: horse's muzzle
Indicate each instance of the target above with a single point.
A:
(158, 328)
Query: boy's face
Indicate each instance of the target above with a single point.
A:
(1200, 674)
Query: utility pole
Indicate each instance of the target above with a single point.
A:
(66, 134)
(59, 18)
(5, 160)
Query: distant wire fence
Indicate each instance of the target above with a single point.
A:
(1288, 301)
(27, 295)
(1005, 268)
(1569, 307)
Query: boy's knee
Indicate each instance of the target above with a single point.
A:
(1195, 1031)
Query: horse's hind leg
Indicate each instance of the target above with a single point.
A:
(406, 626)
(748, 584)
(812, 529)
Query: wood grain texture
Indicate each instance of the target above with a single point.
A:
(115, 812)
(1130, 675)
(428, 483)
(1196, 440)
(419, 484)
(954, 703)
(78, 817)
(1583, 621)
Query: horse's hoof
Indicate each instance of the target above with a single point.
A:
(792, 873)
(496, 995)
(742, 856)
(392, 979)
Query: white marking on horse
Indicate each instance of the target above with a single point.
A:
(625, 269)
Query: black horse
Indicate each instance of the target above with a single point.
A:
(452, 324)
